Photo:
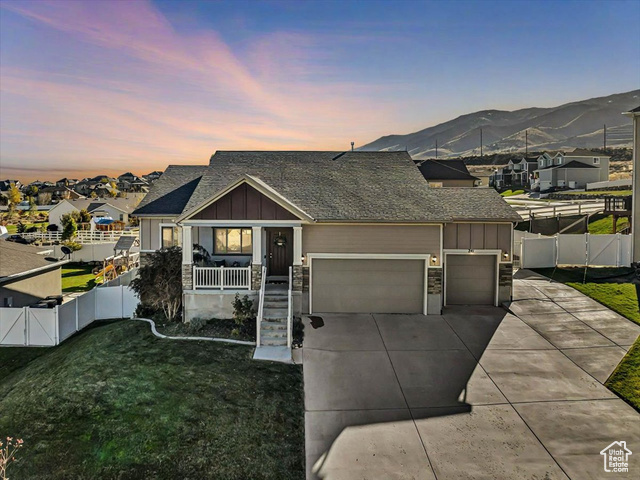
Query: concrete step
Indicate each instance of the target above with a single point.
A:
(275, 304)
(274, 334)
(275, 313)
(276, 289)
(274, 342)
(269, 325)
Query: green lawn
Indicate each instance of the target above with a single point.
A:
(617, 193)
(13, 229)
(116, 402)
(604, 225)
(77, 277)
(510, 193)
(625, 380)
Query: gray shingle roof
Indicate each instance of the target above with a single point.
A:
(328, 186)
(338, 186)
(575, 164)
(445, 170)
(16, 258)
(171, 192)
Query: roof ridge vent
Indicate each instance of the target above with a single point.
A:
(338, 156)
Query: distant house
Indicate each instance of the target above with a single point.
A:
(571, 170)
(115, 208)
(517, 173)
(447, 173)
(128, 182)
(56, 194)
(5, 185)
(26, 275)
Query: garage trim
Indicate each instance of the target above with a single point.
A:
(497, 254)
(369, 256)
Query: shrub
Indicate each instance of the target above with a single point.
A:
(159, 282)
(196, 325)
(52, 227)
(243, 315)
(20, 227)
(73, 246)
(69, 227)
(31, 229)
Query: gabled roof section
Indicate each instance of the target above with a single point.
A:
(475, 204)
(445, 170)
(16, 259)
(329, 185)
(260, 186)
(575, 164)
(583, 152)
(172, 191)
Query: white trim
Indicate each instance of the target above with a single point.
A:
(243, 223)
(256, 245)
(370, 256)
(456, 251)
(297, 246)
(160, 226)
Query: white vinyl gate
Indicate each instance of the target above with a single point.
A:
(595, 250)
(49, 326)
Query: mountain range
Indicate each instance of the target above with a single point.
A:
(575, 124)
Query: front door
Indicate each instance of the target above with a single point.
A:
(279, 250)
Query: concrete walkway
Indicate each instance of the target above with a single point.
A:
(477, 393)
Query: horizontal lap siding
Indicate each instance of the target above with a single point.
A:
(418, 239)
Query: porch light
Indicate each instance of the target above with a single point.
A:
(505, 255)
(434, 259)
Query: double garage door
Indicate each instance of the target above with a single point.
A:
(397, 286)
(367, 286)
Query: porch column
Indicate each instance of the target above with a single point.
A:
(297, 245)
(187, 259)
(256, 261)
(297, 259)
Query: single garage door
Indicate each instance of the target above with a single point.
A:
(470, 279)
(367, 286)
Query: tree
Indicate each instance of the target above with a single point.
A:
(44, 198)
(14, 195)
(159, 282)
(85, 216)
(31, 191)
(69, 226)
(33, 208)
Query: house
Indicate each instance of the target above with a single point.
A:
(54, 194)
(359, 232)
(5, 185)
(128, 182)
(447, 173)
(635, 198)
(570, 170)
(517, 173)
(26, 275)
(152, 177)
(115, 208)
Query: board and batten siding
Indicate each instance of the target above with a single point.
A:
(418, 239)
(478, 236)
(150, 232)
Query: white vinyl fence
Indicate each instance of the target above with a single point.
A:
(625, 182)
(90, 252)
(82, 236)
(595, 250)
(46, 327)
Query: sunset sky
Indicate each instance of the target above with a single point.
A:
(106, 87)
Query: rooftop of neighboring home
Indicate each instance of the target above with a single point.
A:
(445, 170)
(326, 186)
(583, 152)
(18, 260)
(126, 205)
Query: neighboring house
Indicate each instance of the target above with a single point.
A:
(56, 194)
(447, 173)
(26, 275)
(128, 182)
(570, 170)
(361, 231)
(518, 173)
(152, 177)
(115, 208)
(5, 185)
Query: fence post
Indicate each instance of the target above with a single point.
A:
(56, 319)
(222, 278)
(586, 239)
(618, 250)
(77, 319)
(25, 313)
(121, 301)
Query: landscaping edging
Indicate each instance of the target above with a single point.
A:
(209, 339)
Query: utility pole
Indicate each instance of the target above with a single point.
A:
(605, 138)
(352, 143)
(480, 143)
(526, 143)
(436, 148)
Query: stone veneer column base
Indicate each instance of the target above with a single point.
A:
(434, 281)
(256, 276)
(187, 277)
(297, 278)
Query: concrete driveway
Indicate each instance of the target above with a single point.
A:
(477, 393)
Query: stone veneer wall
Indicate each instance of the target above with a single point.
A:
(297, 278)
(187, 277)
(305, 278)
(434, 281)
(505, 275)
(256, 276)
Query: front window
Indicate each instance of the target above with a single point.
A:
(169, 237)
(596, 160)
(230, 241)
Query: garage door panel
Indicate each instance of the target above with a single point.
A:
(367, 286)
(470, 279)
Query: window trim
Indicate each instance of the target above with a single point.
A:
(176, 240)
(596, 160)
(240, 253)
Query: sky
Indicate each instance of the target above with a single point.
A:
(93, 87)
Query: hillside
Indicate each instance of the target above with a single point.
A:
(576, 124)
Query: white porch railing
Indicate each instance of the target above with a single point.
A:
(82, 236)
(290, 307)
(222, 277)
(263, 282)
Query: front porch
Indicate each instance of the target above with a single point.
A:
(219, 256)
